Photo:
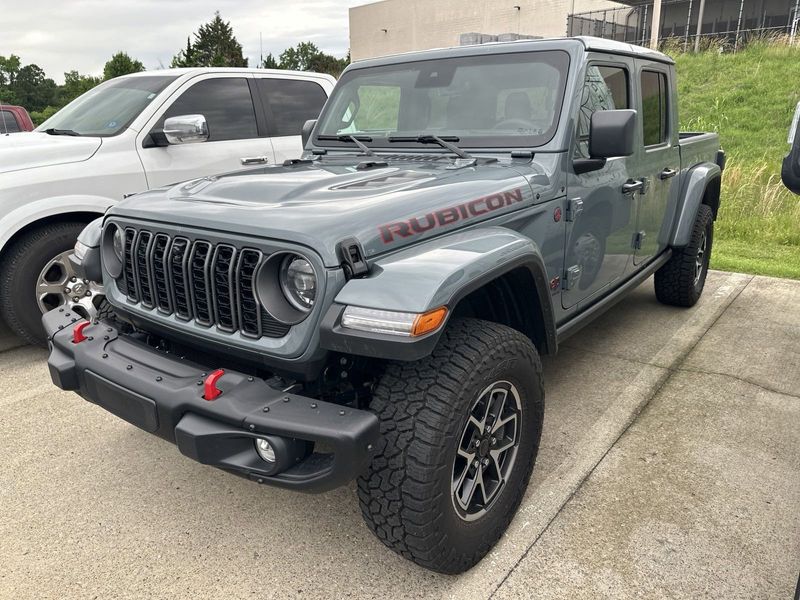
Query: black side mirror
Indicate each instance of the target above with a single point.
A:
(790, 173)
(308, 129)
(612, 133)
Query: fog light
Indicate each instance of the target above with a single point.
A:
(265, 450)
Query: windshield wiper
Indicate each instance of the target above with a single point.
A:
(357, 140)
(444, 142)
(53, 131)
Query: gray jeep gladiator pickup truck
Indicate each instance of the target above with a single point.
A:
(377, 308)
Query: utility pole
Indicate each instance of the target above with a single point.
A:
(699, 26)
(655, 27)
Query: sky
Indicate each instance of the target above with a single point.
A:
(63, 35)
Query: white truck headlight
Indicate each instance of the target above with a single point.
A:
(80, 250)
(392, 322)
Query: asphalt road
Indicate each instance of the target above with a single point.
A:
(669, 467)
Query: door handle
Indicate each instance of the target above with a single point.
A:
(667, 173)
(633, 186)
(255, 160)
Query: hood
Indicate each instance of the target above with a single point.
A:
(33, 149)
(322, 203)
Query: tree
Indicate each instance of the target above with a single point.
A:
(33, 90)
(270, 62)
(214, 46)
(121, 64)
(307, 57)
(300, 57)
(184, 58)
(9, 67)
(76, 84)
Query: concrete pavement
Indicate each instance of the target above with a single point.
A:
(669, 467)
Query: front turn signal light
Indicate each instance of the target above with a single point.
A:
(429, 321)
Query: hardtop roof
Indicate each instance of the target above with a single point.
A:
(562, 43)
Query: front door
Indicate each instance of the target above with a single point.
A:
(600, 215)
(234, 141)
(658, 160)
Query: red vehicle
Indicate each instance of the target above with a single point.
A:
(14, 119)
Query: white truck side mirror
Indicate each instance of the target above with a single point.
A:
(186, 129)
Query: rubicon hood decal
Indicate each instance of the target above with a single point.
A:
(449, 216)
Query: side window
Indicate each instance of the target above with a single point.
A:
(225, 103)
(291, 103)
(8, 122)
(606, 88)
(654, 108)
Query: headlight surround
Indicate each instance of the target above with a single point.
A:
(298, 282)
(287, 286)
(112, 250)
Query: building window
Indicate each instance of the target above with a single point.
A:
(654, 108)
(606, 88)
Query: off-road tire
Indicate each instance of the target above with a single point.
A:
(676, 281)
(423, 407)
(21, 265)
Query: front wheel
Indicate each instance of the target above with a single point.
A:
(36, 276)
(460, 431)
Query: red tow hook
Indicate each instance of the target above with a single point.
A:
(210, 389)
(77, 332)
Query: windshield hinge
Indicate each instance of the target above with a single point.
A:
(352, 256)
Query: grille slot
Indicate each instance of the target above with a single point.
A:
(213, 284)
(159, 265)
(178, 256)
(223, 287)
(199, 260)
(141, 266)
(249, 309)
(129, 279)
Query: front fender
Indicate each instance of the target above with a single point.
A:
(20, 217)
(694, 188)
(436, 273)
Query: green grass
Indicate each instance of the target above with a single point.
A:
(749, 98)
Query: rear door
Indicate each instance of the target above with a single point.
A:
(227, 103)
(287, 104)
(600, 216)
(658, 159)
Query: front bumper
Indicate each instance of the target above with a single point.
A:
(163, 394)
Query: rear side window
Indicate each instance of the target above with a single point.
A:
(291, 103)
(8, 122)
(654, 108)
(225, 103)
(605, 88)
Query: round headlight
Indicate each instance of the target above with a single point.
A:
(119, 244)
(298, 282)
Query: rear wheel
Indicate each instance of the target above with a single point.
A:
(681, 280)
(36, 277)
(460, 431)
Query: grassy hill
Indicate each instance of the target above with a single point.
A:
(749, 98)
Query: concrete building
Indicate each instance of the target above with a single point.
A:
(393, 26)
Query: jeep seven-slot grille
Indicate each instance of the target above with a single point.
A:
(210, 283)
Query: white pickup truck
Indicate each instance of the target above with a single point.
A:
(125, 136)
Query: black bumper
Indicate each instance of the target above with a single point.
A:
(163, 394)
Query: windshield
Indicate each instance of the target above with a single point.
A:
(109, 108)
(505, 100)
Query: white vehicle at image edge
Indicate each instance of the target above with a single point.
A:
(127, 135)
